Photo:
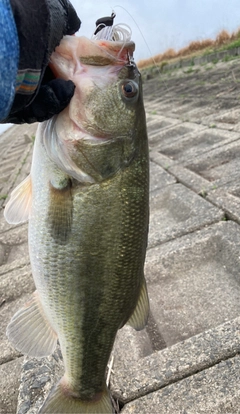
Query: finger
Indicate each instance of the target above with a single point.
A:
(51, 99)
(73, 23)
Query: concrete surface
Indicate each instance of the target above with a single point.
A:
(186, 360)
(215, 390)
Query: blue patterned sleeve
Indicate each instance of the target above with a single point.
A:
(9, 55)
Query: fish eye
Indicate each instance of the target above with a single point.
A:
(129, 89)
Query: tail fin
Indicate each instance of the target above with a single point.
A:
(61, 401)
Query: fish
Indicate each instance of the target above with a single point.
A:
(87, 205)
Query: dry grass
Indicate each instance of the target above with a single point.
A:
(195, 46)
(223, 38)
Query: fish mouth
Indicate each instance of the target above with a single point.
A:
(116, 42)
(115, 52)
(92, 52)
(110, 46)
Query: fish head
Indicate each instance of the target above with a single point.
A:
(99, 132)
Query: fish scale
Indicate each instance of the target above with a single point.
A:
(119, 258)
(87, 204)
(122, 269)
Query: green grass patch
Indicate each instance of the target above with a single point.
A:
(232, 45)
(3, 196)
(189, 70)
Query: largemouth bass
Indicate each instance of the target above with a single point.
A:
(86, 200)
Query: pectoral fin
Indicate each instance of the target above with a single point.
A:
(60, 211)
(18, 207)
(140, 315)
(30, 332)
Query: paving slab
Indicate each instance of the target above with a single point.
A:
(196, 144)
(175, 210)
(15, 283)
(156, 122)
(159, 178)
(213, 173)
(196, 92)
(194, 289)
(14, 244)
(162, 137)
(229, 120)
(228, 202)
(219, 159)
(193, 282)
(37, 378)
(133, 379)
(9, 385)
(17, 145)
(215, 390)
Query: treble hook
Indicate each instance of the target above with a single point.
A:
(131, 61)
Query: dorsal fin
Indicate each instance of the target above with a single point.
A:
(18, 207)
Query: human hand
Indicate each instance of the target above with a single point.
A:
(41, 24)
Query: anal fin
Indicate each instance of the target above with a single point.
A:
(30, 332)
(139, 318)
